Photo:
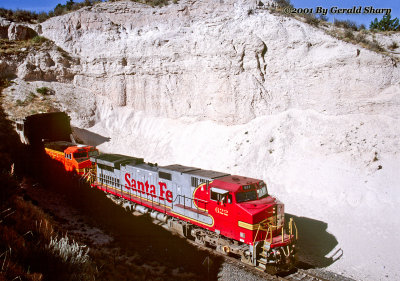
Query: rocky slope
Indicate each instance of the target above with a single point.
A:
(219, 61)
(225, 86)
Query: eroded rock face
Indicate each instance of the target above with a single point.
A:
(20, 32)
(4, 25)
(15, 31)
(47, 64)
(220, 60)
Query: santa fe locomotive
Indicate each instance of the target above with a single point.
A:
(233, 214)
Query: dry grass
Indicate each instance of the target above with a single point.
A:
(27, 244)
(20, 47)
(32, 104)
(345, 30)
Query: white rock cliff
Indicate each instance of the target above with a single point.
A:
(224, 86)
(215, 61)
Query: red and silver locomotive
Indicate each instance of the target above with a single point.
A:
(234, 214)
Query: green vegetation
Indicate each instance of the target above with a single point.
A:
(39, 39)
(349, 34)
(346, 24)
(385, 24)
(17, 47)
(29, 16)
(9, 47)
(45, 91)
(17, 15)
(27, 101)
(69, 6)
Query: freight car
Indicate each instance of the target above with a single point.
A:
(233, 214)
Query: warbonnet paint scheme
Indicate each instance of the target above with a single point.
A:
(234, 214)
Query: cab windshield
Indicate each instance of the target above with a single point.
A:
(93, 153)
(80, 154)
(262, 191)
(246, 196)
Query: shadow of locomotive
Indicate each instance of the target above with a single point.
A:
(132, 234)
(89, 138)
(315, 246)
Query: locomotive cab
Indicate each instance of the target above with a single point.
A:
(77, 158)
(74, 157)
(244, 210)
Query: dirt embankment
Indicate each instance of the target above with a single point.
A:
(125, 248)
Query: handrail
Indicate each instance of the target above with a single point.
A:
(254, 241)
(255, 237)
(197, 200)
(291, 223)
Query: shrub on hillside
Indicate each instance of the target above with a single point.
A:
(375, 46)
(69, 251)
(18, 15)
(347, 24)
(283, 3)
(45, 91)
(311, 19)
(39, 39)
(349, 34)
(360, 38)
(393, 46)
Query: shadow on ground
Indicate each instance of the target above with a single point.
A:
(133, 235)
(89, 138)
(316, 247)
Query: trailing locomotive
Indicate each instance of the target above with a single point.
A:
(74, 157)
(234, 214)
(53, 132)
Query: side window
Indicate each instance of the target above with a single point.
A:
(220, 195)
(214, 195)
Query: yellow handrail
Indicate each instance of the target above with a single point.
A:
(291, 223)
(255, 237)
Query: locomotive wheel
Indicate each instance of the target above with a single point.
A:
(200, 240)
(246, 259)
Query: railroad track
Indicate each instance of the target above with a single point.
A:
(303, 275)
(298, 274)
